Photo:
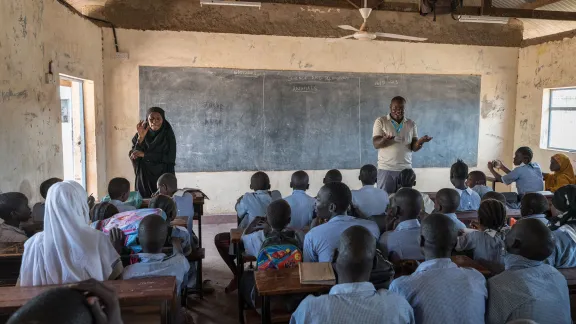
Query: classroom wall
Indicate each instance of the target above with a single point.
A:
(548, 65)
(496, 65)
(36, 32)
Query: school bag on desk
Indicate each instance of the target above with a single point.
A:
(280, 250)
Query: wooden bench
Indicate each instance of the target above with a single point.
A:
(10, 262)
(131, 292)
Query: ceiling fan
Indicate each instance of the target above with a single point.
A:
(363, 34)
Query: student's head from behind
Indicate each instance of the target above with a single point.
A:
(102, 211)
(438, 236)
(44, 186)
(278, 214)
(407, 204)
(476, 178)
(166, 204)
(260, 181)
(397, 107)
(523, 155)
(447, 201)
(332, 176)
(152, 233)
(368, 175)
(300, 181)
(492, 214)
(407, 178)
(565, 198)
(458, 173)
(494, 195)
(14, 208)
(355, 255)
(333, 199)
(531, 239)
(533, 203)
(119, 189)
(167, 184)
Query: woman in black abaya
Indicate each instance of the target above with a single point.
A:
(153, 151)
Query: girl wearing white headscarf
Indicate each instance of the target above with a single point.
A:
(68, 250)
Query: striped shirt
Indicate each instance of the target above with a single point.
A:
(458, 222)
(528, 289)
(404, 241)
(487, 248)
(370, 200)
(302, 207)
(440, 292)
(357, 303)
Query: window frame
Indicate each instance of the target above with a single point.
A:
(552, 109)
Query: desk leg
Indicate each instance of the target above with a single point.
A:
(199, 279)
(238, 274)
(167, 312)
(494, 185)
(266, 316)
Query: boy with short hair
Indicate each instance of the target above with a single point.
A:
(447, 202)
(402, 243)
(469, 199)
(528, 288)
(407, 179)
(119, 191)
(535, 205)
(439, 291)
(477, 182)
(369, 200)
(168, 185)
(301, 204)
(38, 209)
(13, 211)
(333, 175)
(527, 174)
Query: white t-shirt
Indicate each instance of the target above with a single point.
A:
(397, 156)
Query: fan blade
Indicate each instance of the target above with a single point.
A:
(411, 38)
(346, 27)
(346, 37)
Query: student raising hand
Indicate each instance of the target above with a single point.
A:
(103, 301)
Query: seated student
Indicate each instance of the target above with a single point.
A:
(535, 205)
(168, 186)
(527, 174)
(563, 173)
(101, 211)
(477, 182)
(447, 202)
(354, 299)
(332, 202)
(38, 209)
(403, 243)
(301, 204)
(528, 289)
(166, 204)
(564, 255)
(369, 200)
(253, 204)
(487, 242)
(439, 291)
(119, 190)
(469, 199)
(332, 176)
(407, 179)
(13, 211)
(494, 195)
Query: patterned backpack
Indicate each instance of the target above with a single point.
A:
(280, 250)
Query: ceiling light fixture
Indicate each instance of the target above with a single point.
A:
(230, 3)
(484, 19)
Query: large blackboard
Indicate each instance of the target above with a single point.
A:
(231, 120)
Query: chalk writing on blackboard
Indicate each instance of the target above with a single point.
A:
(304, 88)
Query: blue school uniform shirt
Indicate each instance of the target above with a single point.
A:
(122, 206)
(528, 289)
(158, 265)
(252, 205)
(302, 207)
(440, 292)
(528, 178)
(370, 200)
(469, 200)
(185, 208)
(540, 217)
(481, 190)
(403, 241)
(253, 242)
(487, 247)
(356, 302)
(321, 241)
(564, 255)
(458, 222)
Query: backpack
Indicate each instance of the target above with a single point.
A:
(280, 250)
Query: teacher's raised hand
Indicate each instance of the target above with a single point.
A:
(142, 129)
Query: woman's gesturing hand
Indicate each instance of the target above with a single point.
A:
(142, 129)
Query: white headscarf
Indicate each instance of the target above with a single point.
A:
(68, 250)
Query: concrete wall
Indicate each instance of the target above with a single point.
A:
(35, 32)
(497, 66)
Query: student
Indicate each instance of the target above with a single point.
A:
(354, 299)
(189, 243)
(332, 202)
(528, 289)
(407, 179)
(535, 205)
(254, 204)
(168, 186)
(487, 242)
(369, 200)
(403, 243)
(101, 211)
(563, 173)
(447, 202)
(38, 209)
(469, 199)
(332, 176)
(301, 204)
(564, 255)
(439, 291)
(494, 195)
(527, 174)
(119, 191)
(477, 182)
(13, 211)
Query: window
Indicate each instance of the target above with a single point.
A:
(562, 119)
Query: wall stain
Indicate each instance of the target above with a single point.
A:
(23, 24)
(304, 65)
(9, 95)
(524, 123)
(492, 108)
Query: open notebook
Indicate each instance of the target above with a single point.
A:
(316, 273)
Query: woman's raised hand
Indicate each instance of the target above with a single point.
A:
(142, 129)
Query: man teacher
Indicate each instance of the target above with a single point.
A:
(395, 137)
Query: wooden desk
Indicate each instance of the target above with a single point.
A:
(235, 239)
(10, 262)
(132, 292)
(465, 262)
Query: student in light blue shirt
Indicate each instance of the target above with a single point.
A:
(404, 241)
(469, 199)
(354, 299)
(301, 204)
(369, 200)
(535, 205)
(477, 182)
(119, 191)
(168, 185)
(447, 202)
(439, 291)
(527, 174)
(528, 289)
(564, 255)
(332, 203)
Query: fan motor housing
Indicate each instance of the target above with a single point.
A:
(364, 36)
